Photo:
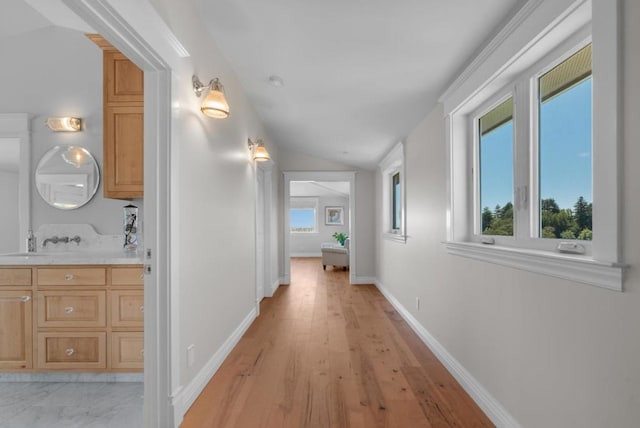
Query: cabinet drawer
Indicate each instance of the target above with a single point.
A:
(127, 350)
(127, 276)
(71, 308)
(72, 350)
(127, 308)
(17, 276)
(72, 276)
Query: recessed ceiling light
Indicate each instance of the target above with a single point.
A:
(276, 81)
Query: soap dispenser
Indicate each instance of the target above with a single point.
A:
(31, 242)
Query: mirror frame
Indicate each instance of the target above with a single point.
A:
(57, 156)
(17, 125)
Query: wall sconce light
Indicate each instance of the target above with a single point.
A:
(258, 152)
(214, 104)
(64, 124)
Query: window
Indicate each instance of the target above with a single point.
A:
(393, 199)
(564, 142)
(397, 200)
(495, 170)
(303, 216)
(533, 141)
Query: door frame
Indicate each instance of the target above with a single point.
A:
(348, 176)
(263, 219)
(115, 20)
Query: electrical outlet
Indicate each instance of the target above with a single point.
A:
(418, 303)
(191, 355)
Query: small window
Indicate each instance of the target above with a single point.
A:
(303, 215)
(495, 141)
(565, 149)
(397, 200)
(393, 195)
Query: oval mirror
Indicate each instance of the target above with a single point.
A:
(67, 177)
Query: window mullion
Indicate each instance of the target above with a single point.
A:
(524, 183)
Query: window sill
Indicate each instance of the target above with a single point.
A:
(305, 233)
(396, 237)
(575, 268)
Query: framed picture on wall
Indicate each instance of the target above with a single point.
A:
(334, 216)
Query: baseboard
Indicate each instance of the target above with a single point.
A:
(274, 286)
(363, 280)
(489, 405)
(185, 397)
(311, 254)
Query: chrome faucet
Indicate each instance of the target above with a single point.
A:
(55, 240)
(75, 239)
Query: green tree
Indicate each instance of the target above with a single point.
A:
(487, 218)
(582, 213)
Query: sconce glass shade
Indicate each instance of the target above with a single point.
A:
(214, 104)
(64, 124)
(260, 154)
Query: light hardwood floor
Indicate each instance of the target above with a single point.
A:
(324, 353)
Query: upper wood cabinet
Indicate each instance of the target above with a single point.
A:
(123, 140)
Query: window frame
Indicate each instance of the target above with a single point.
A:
(390, 165)
(539, 36)
(305, 203)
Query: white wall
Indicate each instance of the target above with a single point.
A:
(213, 208)
(308, 244)
(554, 353)
(56, 72)
(9, 239)
(365, 217)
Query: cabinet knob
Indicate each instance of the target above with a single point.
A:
(142, 308)
(70, 352)
(142, 351)
(68, 309)
(142, 276)
(68, 276)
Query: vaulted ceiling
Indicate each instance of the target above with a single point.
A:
(358, 74)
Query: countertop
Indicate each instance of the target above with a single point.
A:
(72, 258)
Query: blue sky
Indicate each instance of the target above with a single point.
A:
(565, 152)
(302, 218)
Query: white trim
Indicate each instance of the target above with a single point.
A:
(308, 254)
(364, 280)
(489, 405)
(17, 125)
(574, 268)
(391, 164)
(348, 176)
(185, 397)
(273, 288)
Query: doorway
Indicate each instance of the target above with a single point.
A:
(337, 196)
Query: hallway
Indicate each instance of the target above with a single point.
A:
(324, 353)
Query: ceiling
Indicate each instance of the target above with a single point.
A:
(358, 74)
(319, 189)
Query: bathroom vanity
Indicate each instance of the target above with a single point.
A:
(71, 312)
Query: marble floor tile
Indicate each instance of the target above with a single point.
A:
(71, 405)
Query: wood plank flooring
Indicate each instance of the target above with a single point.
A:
(324, 353)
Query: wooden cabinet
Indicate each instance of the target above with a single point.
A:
(72, 318)
(123, 140)
(15, 328)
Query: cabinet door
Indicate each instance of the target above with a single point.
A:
(127, 276)
(127, 350)
(127, 308)
(16, 329)
(123, 152)
(72, 350)
(124, 81)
